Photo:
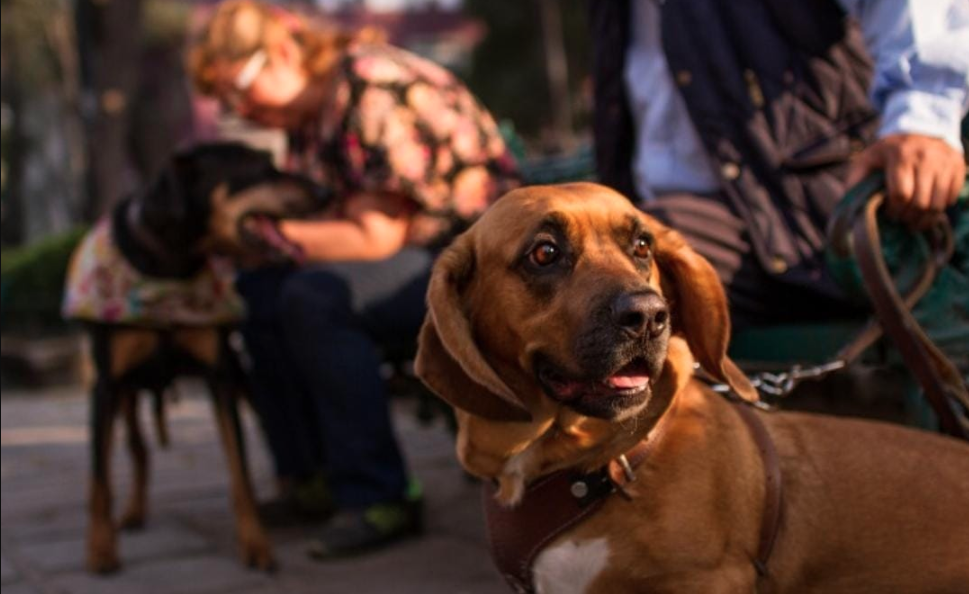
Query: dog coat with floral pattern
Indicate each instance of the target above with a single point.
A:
(102, 286)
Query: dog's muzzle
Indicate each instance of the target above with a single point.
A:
(620, 355)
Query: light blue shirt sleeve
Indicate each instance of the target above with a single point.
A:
(921, 54)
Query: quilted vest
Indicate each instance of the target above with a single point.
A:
(777, 90)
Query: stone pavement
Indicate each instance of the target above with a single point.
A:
(187, 546)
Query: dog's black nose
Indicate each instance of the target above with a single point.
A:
(641, 314)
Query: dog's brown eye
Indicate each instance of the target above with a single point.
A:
(641, 247)
(544, 254)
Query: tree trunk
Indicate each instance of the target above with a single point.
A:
(109, 37)
(557, 68)
(12, 218)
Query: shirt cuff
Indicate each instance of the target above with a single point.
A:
(918, 112)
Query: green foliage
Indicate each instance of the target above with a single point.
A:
(165, 22)
(508, 67)
(27, 27)
(33, 282)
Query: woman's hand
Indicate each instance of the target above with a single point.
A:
(923, 176)
(373, 227)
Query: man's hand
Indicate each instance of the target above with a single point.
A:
(923, 176)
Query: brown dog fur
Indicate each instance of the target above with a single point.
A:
(867, 507)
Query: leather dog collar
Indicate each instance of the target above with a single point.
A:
(553, 504)
(563, 499)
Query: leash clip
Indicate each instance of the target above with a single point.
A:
(626, 468)
(616, 482)
(783, 383)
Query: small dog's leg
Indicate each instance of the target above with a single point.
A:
(134, 515)
(102, 546)
(161, 420)
(254, 545)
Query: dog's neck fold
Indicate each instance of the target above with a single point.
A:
(144, 249)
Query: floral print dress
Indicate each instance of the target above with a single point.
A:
(397, 123)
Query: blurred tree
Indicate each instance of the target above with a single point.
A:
(136, 100)
(42, 157)
(557, 71)
(94, 98)
(161, 116)
(109, 37)
(510, 68)
(13, 141)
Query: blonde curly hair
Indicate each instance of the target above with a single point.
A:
(239, 28)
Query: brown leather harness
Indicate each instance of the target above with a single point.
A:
(855, 231)
(563, 499)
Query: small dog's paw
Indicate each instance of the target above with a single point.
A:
(258, 555)
(132, 520)
(102, 552)
(254, 547)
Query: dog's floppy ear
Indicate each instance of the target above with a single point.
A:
(448, 360)
(700, 309)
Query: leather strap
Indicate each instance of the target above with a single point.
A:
(939, 378)
(771, 520)
(549, 507)
(873, 329)
(563, 499)
(553, 504)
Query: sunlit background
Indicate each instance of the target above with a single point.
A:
(95, 97)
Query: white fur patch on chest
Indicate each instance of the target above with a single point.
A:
(570, 567)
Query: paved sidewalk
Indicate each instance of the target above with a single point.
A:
(188, 545)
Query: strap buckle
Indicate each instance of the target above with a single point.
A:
(627, 469)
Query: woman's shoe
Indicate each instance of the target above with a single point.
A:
(306, 502)
(352, 532)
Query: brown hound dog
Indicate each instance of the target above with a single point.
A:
(563, 327)
(220, 198)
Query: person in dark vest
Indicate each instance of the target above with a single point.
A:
(742, 124)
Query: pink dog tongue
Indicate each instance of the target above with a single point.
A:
(630, 376)
(267, 229)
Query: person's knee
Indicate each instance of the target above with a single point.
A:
(260, 289)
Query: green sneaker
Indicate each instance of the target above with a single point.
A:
(352, 532)
(314, 498)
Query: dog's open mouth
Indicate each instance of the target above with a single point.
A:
(629, 380)
(262, 231)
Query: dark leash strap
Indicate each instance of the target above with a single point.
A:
(939, 378)
(854, 230)
(771, 520)
(563, 499)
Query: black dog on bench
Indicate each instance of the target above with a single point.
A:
(152, 288)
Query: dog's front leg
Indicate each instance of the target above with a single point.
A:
(255, 548)
(102, 546)
(134, 514)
